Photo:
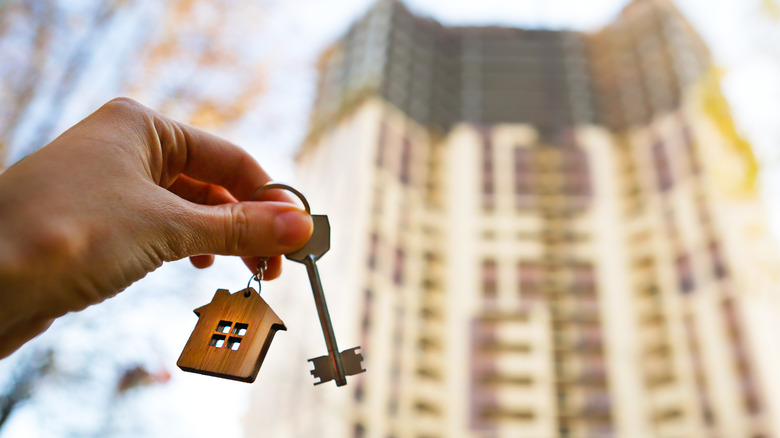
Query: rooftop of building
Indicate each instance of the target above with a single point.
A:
(488, 74)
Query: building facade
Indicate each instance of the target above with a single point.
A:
(540, 234)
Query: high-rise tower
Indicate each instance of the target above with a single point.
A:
(543, 233)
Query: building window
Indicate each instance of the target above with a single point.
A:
(588, 340)
(531, 277)
(524, 195)
(373, 250)
(740, 350)
(499, 415)
(488, 177)
(718, 262)
(584, 276)
(406, 161)
(489, 279)
(398, 332)
(359, 394)
(708, 415)
(366, 323)
(574, 160)
(593, 371)
(597, 404)
(690, 148)
(668, 414)
(750, 393)
(575, 166)
(662, 169)
(578, 184)
(398, 266)
(685, 273)
(732, 317)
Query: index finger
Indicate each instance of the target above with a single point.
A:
(215, 160)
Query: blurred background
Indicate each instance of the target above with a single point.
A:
(491, 191)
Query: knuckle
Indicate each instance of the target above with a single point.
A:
(124, 102)
(238, 229)
(55, 241)
(122, 106)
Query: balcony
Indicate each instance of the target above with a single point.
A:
(658, 372)
(583, 372)
(652, 336)
(507, 380)
(525, 398)
(503, 347)
(431, 362)
(590, 340)
(428, 391)
(580, 310)
(673, 425)
(665, 401)
(597, 405)
(427, 425)
(518, 366)
(429, 311)
(434, 328)
(434, 300)
(593, 406)
(586, 339)
(649, 308)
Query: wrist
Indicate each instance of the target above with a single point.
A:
(21, 317)
(11, 278)
(20, 313)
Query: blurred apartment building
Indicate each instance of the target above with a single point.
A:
(543, 233)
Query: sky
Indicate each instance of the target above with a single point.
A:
(292, 36)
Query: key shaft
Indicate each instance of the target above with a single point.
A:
(327, 327)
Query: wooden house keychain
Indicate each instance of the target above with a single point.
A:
(234, 331)
(232, 335)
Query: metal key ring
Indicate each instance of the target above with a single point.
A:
(277, 185)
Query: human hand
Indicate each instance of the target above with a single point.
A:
(114, 197)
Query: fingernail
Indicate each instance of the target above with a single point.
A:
(293, 227)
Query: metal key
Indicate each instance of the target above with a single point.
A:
(334, 365)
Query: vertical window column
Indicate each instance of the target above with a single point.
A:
(530, 278)
(685, 273)
(488, 173)
(690, 148)
(490, 281)
(523, 166)
(663, 170)
(404, 171)
(749, 385)
(398, 266)
(577, 175)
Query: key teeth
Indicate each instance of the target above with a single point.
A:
(316, 376)
(317, 371)
(353, 361)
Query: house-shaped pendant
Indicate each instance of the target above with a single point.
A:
(231, 337)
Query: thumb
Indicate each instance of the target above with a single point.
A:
(245, 229)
